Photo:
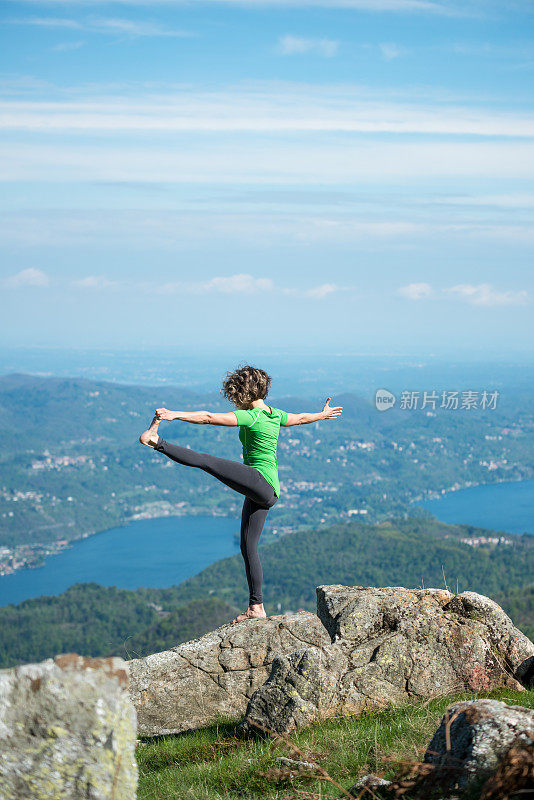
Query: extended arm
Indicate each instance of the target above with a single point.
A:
(328, 412)
(227, 418)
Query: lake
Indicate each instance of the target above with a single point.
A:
(166, 551)
(500, 506)
(148, 552)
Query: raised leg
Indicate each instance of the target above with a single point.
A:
(239, 477)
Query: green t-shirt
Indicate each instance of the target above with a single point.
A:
(258, 432)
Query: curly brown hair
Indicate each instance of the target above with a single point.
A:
(246, 384)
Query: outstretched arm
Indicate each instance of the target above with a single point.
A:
(199, 417)
(328, 412)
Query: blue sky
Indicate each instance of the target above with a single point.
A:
(349, 174)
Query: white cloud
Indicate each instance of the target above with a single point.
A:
(416, 291)
(46, 22)
(262, 108)
(167, 230)
(248, 284)
(27, 277)
(487, 49)
(241, 283)
(516, 200)
(481, 295)
(486, 295)
(105, 25)
(134, 28)
(278, 162)
(318, 292)
(162, 288)
(64, 47)
(23, 85)
(94, 282)
(390, 50)
(442, 7)
(234, 284)
(297, 45)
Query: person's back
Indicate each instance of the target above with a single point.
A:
(258, 433)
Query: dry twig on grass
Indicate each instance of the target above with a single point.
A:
(318, 772)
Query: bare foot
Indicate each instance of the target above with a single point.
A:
(255, 611)
(150, 437)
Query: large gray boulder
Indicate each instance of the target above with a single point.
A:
(193, 684)
(67, 730)
(389, 645)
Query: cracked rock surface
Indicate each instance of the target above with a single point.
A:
(193, 684)
(388, 645)
(67, 730)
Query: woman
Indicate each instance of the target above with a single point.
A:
(257, 477)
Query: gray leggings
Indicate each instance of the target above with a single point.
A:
(259, 498)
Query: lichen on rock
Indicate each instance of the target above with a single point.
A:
(67, 730)
(389, 645)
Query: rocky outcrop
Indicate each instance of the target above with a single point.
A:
(473, 738)
(67, 730)
(481, 748)
(388, 645)
(193, 684)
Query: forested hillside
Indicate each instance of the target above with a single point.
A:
(96, 620)
(71, 463)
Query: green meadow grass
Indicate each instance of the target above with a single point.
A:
(213, 764)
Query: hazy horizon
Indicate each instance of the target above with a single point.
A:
(349, 176)
(301, 374)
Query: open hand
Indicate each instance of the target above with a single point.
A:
(329, 412)
(164, 413)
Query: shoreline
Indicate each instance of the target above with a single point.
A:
(460, 487)
(446, 495)
(65, 544)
